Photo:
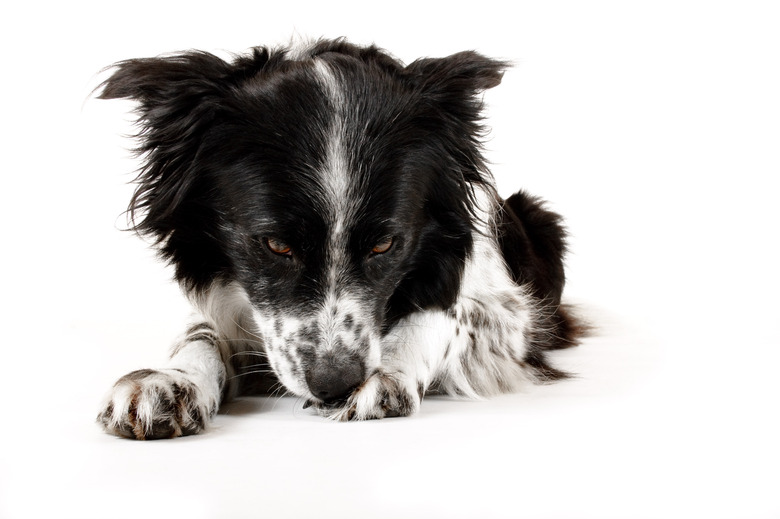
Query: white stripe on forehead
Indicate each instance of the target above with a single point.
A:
(335, 176)
(340, 200)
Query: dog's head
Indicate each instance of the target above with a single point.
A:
(334, 185)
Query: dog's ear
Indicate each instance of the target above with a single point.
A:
(155, 82)
(174, 97)
(457, 77)
(178, 97)
(450, 89)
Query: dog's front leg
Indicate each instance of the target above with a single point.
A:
(178, 399)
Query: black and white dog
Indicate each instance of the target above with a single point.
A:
(330, 215)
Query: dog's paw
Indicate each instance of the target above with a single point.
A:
(381, 396)
(151, 405)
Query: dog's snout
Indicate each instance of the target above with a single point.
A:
(333, 377)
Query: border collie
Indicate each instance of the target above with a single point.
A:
(331, 218)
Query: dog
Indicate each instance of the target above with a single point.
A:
(330, 215)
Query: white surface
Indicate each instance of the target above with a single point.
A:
(653, 127)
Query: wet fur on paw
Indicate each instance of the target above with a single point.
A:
(151, 405)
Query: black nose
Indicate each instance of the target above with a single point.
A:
(333, 377)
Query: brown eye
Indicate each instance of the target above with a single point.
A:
(278, 247)
(383, 246)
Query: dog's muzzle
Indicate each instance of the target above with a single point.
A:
(333, 377)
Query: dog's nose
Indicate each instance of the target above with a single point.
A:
(334, 377)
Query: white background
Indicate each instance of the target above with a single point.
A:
(652, 126)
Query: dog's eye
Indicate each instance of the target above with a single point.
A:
(278, 247)
(383, 246)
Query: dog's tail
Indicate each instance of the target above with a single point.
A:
(533, 242)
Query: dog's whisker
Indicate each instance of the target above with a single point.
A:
(277, 393)
(243, 339)
(254, 372)
(250, 353)
(257, 368)
(258, 365)
(257, 339)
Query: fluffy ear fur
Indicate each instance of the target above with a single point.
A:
(451, 86)
(464, 74)
(175, 97)
(178, 97)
